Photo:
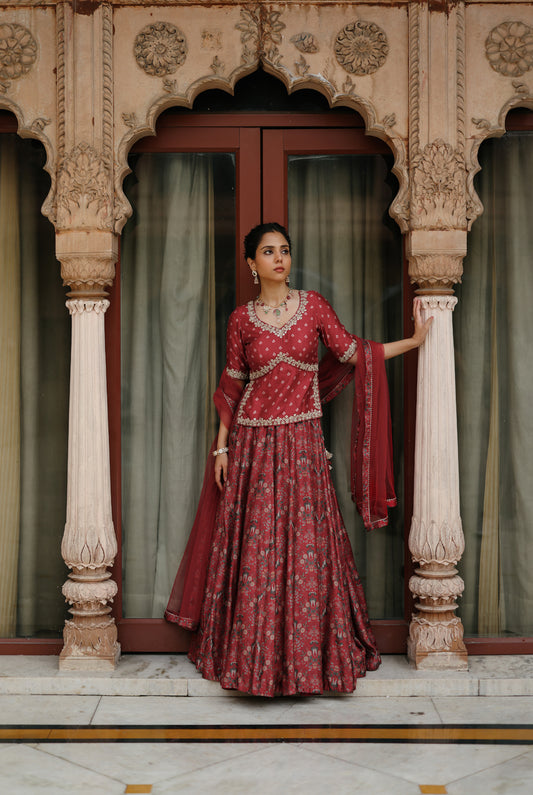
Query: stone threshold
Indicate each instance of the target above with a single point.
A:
(174, 675)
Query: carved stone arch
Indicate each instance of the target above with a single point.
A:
(142, 129)
(489, 130)
(379, 129)
(35, 129)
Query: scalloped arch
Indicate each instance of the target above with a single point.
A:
(399, 206)
(36, 130)
(491, 131)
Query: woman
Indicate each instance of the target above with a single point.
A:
(282, 609)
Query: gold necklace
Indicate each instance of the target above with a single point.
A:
(277, 308)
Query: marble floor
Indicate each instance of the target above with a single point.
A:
(137, 740)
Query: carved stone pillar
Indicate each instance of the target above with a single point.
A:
(436, 539)
(89, 545)
(86, 246)
(436, 245)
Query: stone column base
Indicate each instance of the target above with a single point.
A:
(437, 660)
(90, 644)
(435, 645)
(74, 663)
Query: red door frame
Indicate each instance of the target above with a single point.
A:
(284, 134)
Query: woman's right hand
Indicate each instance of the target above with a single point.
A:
(221, 469)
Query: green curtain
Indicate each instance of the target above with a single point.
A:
(493, 333)
(347, 248)
(39, 375)
(168, 368)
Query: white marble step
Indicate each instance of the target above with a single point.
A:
(174, 675)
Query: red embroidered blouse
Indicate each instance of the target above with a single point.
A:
(281, 364)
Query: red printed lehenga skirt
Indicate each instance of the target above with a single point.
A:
(284, 610)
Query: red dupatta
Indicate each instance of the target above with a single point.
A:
(372, 483)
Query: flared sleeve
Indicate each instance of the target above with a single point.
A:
(236, 364)
(340, 342)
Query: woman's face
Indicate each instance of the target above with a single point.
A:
(272, 258)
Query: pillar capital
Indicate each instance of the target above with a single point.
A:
(88, 259)
(436, 259)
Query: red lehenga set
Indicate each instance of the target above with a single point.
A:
(268, 580)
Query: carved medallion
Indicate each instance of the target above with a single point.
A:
(18, 51)
(361, 47)
(509, 48)
(160, 48)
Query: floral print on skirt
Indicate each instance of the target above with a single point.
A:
(284, 610)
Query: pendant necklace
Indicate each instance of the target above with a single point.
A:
(277, 308)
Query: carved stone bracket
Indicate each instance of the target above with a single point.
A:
(84, 190)
(438, 178)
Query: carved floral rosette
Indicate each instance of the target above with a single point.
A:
(361, 47)
(509, 48)
(160, 48)
(18, 51)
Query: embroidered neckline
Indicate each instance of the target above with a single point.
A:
(282, 330)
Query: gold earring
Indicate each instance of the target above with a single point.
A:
(254, 274)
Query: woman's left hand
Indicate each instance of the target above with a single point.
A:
(421, 328)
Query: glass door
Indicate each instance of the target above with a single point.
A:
(195, 190)
(177, 289)
(333, 191)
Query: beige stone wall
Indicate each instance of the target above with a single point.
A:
(432, 79)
